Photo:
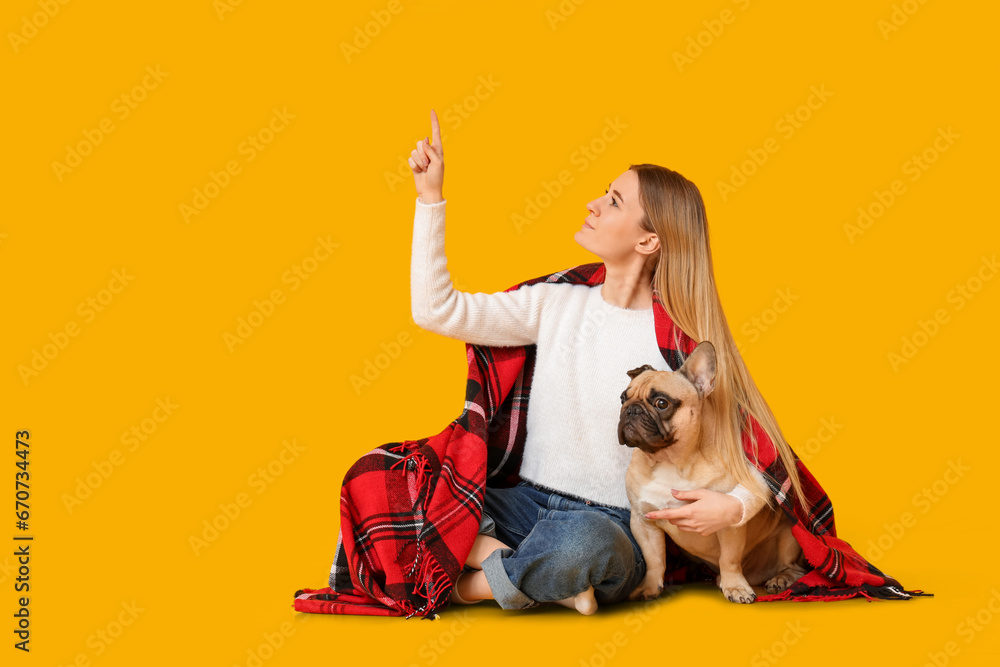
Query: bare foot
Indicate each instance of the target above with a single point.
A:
(583, 602)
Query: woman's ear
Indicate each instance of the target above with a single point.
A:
(648, 245)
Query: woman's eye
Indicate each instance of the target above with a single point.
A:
(612, 199)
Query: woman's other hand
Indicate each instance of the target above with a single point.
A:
(710, 511)
(427, 163)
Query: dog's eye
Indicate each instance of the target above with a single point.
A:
(624, 398)
(660, 403)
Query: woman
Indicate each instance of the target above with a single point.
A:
(562, 535)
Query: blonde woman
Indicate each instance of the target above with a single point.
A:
(562, 535)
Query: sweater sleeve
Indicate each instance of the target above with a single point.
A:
(498, 319)
(750, 504)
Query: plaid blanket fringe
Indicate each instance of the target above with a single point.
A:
(410, 510)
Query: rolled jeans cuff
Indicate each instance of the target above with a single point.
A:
(487, 526)
(505, 593)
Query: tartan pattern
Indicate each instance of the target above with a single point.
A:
(410, 510)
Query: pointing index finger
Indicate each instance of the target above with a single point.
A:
(435, 130)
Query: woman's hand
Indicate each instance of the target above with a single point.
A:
(427, 163)
(710, 511)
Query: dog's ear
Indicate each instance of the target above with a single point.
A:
(642, 369)
(699, 368)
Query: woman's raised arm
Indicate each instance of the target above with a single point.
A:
(501, 318)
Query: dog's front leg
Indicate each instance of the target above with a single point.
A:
(789, 559)
(731, 580)
(653, 543)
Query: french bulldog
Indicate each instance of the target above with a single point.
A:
(666, 419)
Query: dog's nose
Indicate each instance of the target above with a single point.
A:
(633, 410)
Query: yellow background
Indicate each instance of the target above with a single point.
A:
(356, 118)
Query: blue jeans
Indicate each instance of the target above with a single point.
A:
(561, 545)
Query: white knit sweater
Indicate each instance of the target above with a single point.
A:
(584, 346)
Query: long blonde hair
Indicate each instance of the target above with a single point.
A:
(684, 279)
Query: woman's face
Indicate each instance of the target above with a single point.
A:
(612, 230)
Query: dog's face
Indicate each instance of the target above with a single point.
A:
(660, 408)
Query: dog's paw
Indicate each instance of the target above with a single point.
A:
(647, 590)
(779, 582)
(738, 591)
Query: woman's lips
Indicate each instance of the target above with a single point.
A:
(587, 225)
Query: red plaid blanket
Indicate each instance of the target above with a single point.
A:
(410, 510)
